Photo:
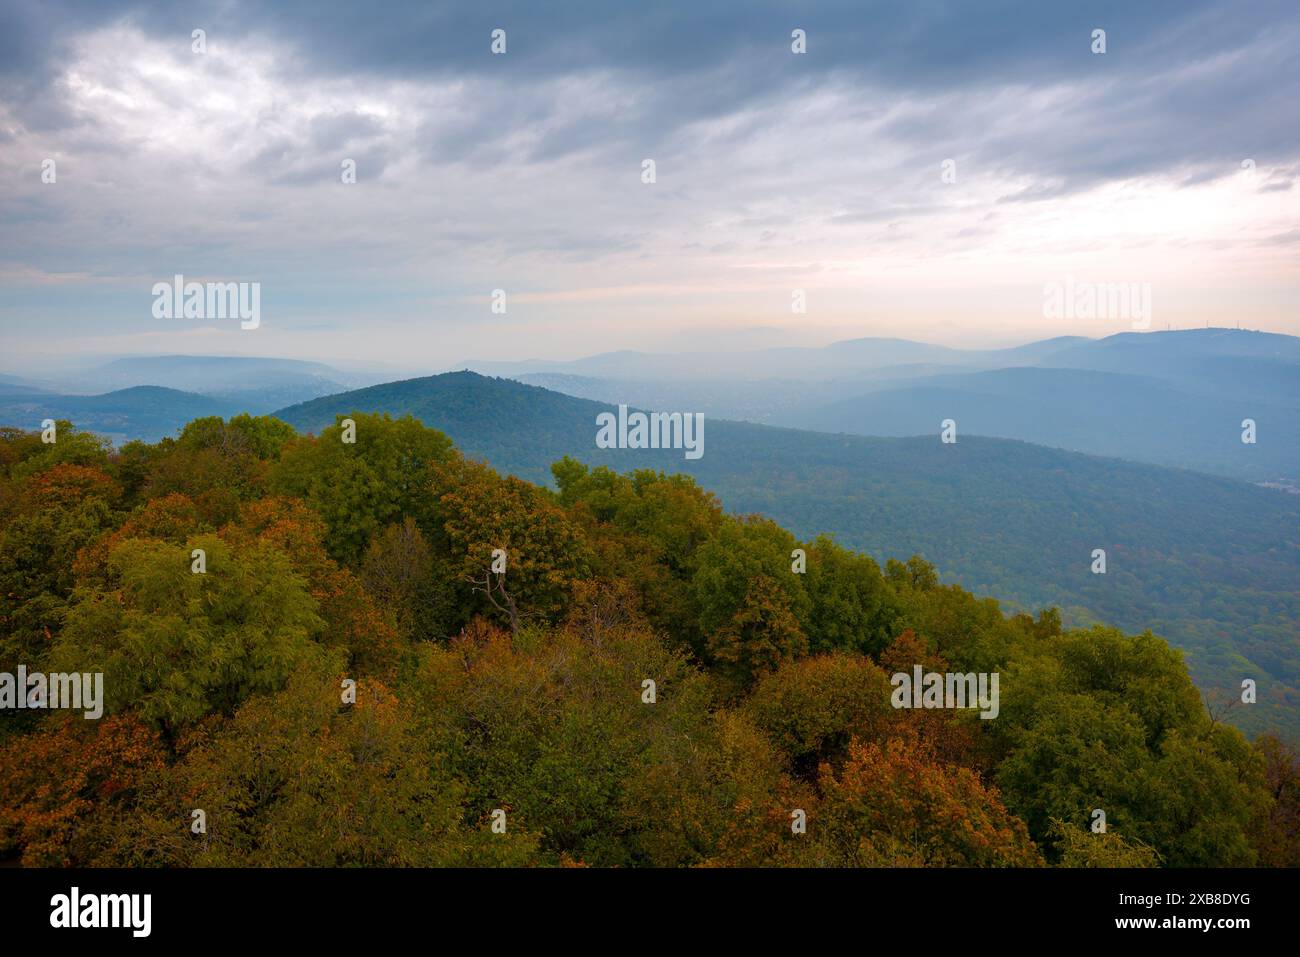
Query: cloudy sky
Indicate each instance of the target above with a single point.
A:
(1171, 159)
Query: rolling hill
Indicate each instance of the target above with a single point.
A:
(1138, 417)
(16, 385)
(142, 412)
(253, 384)
(1167, 398)
(1210, 563)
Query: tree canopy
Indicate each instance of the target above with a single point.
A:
(363, 648)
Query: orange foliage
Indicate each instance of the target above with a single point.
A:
(56, 781)
(893, 805)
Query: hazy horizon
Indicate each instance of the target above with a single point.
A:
(915, 173)
(64, 364)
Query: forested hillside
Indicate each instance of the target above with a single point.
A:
(1212, 565)
(1135, 417)
(393, 655)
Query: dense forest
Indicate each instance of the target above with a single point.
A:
(1211, 564)
(377, 652)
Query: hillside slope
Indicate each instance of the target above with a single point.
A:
(1142, 418)
(1211, 564)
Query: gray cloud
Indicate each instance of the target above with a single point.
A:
(1183, 81)
(473, 167)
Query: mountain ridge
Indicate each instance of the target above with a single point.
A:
(1001, 517)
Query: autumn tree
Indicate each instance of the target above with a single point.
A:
(812, 709)
(513, 552)
(65, 787)
(892, 805)
(566, 732)
(353, 619)
(219, 464)
(1276, 832)
(60, 511)
(300, 779)
(761, 634)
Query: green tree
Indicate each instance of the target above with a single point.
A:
(398, 570)
(744, 584)
(761, 634)
(178, 645)
(29, 455)
(360, 488)
(1082, 847)
(852, 608)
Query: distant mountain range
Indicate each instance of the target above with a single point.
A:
(1212, 564)
(143, 412)
(1143, 418)
(154, 396)
(16, 385)
(846, 358)
(1169, 398)
(256, 385)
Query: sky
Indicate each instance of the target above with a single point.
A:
(924, 170)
